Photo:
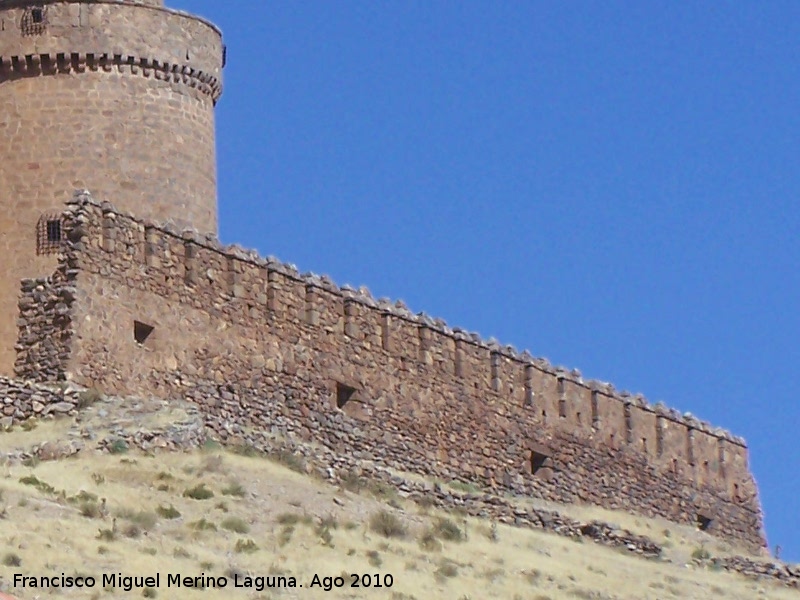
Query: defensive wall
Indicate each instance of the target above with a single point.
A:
(139, 308)
(115, 96)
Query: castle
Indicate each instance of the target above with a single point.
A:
(127, 290)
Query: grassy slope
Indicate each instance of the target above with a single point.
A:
(285, 515)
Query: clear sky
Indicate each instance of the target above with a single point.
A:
(612, 185)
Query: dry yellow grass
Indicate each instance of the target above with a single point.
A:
(300, 527)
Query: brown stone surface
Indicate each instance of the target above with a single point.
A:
(117, 97)
(261, 347)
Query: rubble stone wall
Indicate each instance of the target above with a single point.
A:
(21, 400)
(260, 346)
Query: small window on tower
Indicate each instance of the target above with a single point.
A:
(49, 234)
(34, 21)
(54, 231)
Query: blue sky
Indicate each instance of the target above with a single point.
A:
(612, 185)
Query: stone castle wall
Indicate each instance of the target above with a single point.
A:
(114, 96)
(260, 346)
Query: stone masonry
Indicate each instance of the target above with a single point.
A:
(138, 308)
(141, 300)
(117, 96)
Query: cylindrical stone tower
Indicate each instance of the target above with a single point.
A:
(113, 96)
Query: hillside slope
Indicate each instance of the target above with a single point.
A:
(243, 518)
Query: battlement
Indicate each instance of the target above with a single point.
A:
(149, 308)
(315, 300)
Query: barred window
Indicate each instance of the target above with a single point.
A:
(34, 20)
(49, 234)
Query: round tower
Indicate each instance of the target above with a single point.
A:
(113, 96)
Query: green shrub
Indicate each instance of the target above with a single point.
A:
(701, 554)
(289, 460)
(199, 492)
(246, 546)
(90, 510)
(236, 525)
(446, 570)
(40, 485)
(203, 525)
(374, 558)
(234, 489)
(429, 541)
(118, 447)
(168, 512)
(12, 560)
(293, 519)
(142, 518)
(387, 525)
(448, 530)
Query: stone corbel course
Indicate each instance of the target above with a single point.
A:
(64, 63)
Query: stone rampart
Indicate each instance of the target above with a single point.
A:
(21, 400)
(258, 345)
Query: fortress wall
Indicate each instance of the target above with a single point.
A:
(45, 327)
(445, 403)
(21, 400)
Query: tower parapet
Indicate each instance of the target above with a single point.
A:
(115, 96)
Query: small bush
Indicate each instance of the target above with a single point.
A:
(352, 482)
(90, 510)
(285, 536)
(12, 560)
(448, 530)
(168, 512)
(460, 486)
(446, 570)
(701, 554)
(323, 530)
(149, 592)
(374, 558)
(246, 546)
(40, 485)
(293, 519)
(236, 525)
(234, 489)
(82, 496)
(203, 525)
(387, 525)
(211, 445)
(429, 541)
(212, 464)
(246, 450)
(118, 447)
(289, 460)
(142, 518)
(88, 397)
(199, 492)
(32, 462)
